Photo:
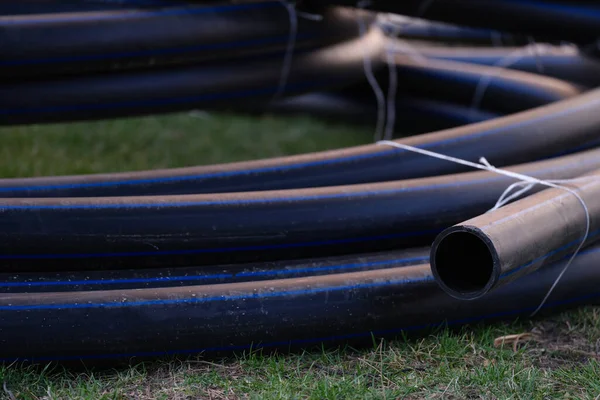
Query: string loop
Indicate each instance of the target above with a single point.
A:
(526, 182)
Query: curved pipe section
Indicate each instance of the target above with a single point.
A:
(565, 62)
(184, 87)
(480, 86)
(319, 310)
(424, 29)
(255, 226)
(576, 21)
(562, 127)
(414, 115)
(478, 255)
(149, 38)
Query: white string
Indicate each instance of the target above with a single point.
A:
(287, 61)
(498, 67)
(528, 180)
(393, 72)
(368, 67)
(423, 8)
(505, 198)
(484, 82)
(535, 51)
(404, 47)
(392, 48)
(496, 38)
(391, 100)
(392, 87)
(309, 16)
(369, 74)
(289, 53)
(411, 51)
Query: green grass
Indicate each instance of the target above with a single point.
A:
(560, 362)
(165, 141)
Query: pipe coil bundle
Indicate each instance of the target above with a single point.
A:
(332, 246)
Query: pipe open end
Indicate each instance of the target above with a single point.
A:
(464, 263)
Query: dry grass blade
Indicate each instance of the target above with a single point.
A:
(513, 339)
(10, 395)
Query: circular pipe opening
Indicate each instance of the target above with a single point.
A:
(463, 263)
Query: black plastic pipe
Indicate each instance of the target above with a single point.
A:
(68, 6)
(565, 62)
(226, 84)
(478, 255)
(138, 324)
(414, 115)
(571, 20)
(185, 87)
(480, 86)
(151, 231)
(165, 277)
(444, 33)
(142, 38)
(270, 253)
(546, 131)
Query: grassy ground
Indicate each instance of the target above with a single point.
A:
(558, 359)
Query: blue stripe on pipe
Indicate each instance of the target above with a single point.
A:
(4, 207)
(245, 296)
(81, 17)
(155, 52)
(292, 342)
(215, 250)
(283, 168)
(201, 300)
(548, 255)
(187, 278)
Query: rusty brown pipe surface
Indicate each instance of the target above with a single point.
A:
(476, 256)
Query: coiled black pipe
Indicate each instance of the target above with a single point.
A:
(570, 20)
(541, 132)
(132, 325)
(106, 232)
(140, 38)
(228, 84)
(502, 90)
(414, 115)
(566, 62)
(268, 253)
(443, 33)
(184, 87)
(25, 7)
